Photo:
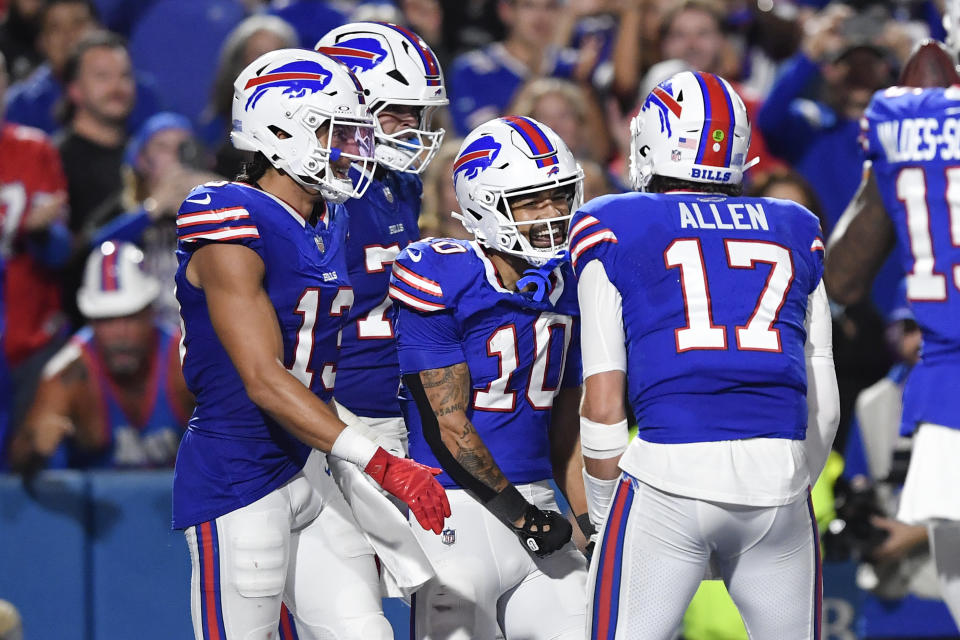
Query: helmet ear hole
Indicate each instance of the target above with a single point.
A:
(280, 133)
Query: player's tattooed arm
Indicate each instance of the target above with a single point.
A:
(862, 240)
(448, 391)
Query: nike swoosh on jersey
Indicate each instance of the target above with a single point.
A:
(414, 255)
(204, 200)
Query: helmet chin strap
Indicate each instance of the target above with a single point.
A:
(539, 277)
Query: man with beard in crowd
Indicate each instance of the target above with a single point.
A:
(115, 393)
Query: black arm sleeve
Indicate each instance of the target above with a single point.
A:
(431, 433)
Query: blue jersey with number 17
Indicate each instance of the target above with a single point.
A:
(714, 294)
(912, 137)
(452, 308)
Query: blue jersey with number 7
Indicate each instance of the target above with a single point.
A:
(714, 295)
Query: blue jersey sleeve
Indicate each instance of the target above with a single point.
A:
(427, 340)
(590, 237)
(217, 212)
(424, 275)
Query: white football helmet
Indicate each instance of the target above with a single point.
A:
(509, 157)
(280, 103)
(395, 67)
(114, 283)
(692, 126)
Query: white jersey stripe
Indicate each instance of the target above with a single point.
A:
(587, 221)
(417, 303)
(223, 234)
(589, 241)
(417, 282)
(207, 217)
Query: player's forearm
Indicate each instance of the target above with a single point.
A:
(465, 445)
(862, 240)
(294, 406)
(565, 453)
(448, 392)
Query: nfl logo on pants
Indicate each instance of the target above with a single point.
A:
(449, 536)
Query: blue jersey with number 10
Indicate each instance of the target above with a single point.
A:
(451, 308)
(912, 137)
(714, 296)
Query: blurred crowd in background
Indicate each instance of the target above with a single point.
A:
(114, 109)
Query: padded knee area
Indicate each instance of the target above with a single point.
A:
(259, 562)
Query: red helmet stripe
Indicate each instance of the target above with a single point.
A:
(288, 75)
(715, 140)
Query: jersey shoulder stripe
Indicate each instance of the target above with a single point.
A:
(217, 211)
(413, 301)
(211, 216)
(222, 234)
(588, 230)
(418, 282)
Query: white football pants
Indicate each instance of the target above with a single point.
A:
(487, 581)
(298, 545)
(655, 548)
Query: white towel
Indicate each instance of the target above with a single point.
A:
(404, 565)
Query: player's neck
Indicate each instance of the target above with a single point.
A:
(287, 189)
(508, 268)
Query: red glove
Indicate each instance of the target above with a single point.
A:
(414, 483)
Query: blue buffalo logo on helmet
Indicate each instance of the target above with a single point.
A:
(297, 79)
(662, 98)
(359, 54)
(476, 157)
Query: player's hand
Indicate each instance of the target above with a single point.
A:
(543, 532)
(414, 483)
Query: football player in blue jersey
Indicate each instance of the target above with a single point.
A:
(487, 334)
(706, 309)
(403, 85)
(262, 292)
(910, 197)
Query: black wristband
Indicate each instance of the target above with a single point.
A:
(508, 505)
(583, 521)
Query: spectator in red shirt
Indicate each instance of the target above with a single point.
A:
(34, 242)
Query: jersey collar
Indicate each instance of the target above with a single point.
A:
(491, 274)
(286, 207)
